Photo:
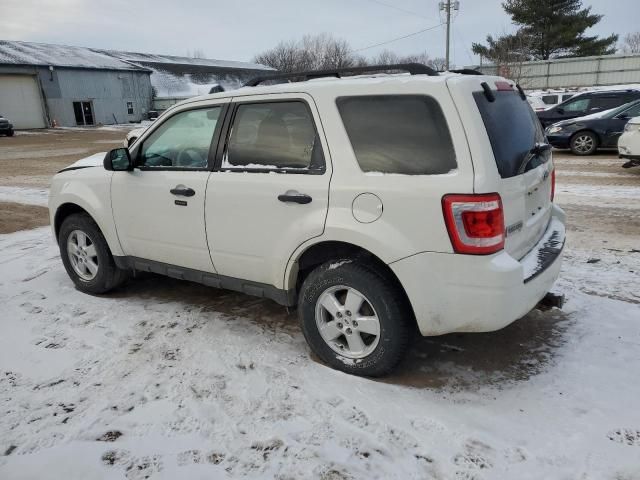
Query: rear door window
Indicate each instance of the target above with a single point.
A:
(406, 134)
(550, 99)
(513, 130)
(274, 136)
(606, 103)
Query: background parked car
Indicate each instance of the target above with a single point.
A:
(586, 104)
(6, 128)
(540, 101)
(584, 135)
(629, 143)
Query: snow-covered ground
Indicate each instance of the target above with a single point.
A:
(169, 380)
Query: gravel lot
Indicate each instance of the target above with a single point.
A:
(167, 379)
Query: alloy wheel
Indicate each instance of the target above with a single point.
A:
(82, 255)
(347, 322)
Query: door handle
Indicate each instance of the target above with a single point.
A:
(183, 191)
(294, 197)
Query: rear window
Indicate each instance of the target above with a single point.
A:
(513, 130)
(405, 134)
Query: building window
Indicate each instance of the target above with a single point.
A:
(129, 108)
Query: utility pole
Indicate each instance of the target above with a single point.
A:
(447, 6)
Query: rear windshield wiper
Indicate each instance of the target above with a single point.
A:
(535, 152)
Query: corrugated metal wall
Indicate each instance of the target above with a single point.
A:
(572, 72)
(108, 91)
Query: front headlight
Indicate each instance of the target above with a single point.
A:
(554, 129)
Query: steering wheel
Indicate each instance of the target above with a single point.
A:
(190, 157)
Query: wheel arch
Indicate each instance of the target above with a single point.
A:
(318, 253)
(65, 210)
(71, 206)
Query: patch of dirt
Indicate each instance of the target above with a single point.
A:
(17, 216)
(31, 160)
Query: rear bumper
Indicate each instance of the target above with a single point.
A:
(467, 293)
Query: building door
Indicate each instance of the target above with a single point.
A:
(21, 101)
(83, 112)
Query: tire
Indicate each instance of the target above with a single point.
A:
(95, 254)
(340, 278)
(584, 143)
(10, 134)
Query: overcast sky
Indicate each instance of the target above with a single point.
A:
(238, 30)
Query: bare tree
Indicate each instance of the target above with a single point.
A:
(196, 53)
(312, 52)
(509, 54)
(388, 57)
(323, 51)
(631, 43)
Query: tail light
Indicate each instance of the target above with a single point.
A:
(475, 223)
(553, 184)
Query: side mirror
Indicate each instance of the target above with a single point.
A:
(118, 160)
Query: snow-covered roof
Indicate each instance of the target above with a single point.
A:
(182, 62)
(29, 53)
(44, 54)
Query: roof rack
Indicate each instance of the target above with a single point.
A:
(412, 68)
(467, 71)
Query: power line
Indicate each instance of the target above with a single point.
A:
(400, 9)
(399, 38)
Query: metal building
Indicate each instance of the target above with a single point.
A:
(42, 84)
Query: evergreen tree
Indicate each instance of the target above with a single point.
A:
(549, 29)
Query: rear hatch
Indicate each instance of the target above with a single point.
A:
(510, 156)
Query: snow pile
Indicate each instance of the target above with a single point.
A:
(169, 84)
(29, 196)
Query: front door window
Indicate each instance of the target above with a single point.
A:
(182, 141)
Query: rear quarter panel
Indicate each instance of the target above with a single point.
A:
(411, 219)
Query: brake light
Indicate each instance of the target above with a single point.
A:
(553, 184)
(475, 223)
(503, 86)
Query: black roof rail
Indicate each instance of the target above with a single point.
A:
(467, 71)
(412, 68)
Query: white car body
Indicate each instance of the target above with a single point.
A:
(629, 141)
(235, 234)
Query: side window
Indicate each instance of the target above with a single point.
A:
(405, 134)
(577, 105)
(633, 111)
(605, 103)
(183, 140)
(550, 99)
(567, 96)
(274, 135)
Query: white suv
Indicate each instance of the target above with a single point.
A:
(375, 203)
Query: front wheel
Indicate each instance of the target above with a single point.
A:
(353, 318)
(584, 143)
(86, 255)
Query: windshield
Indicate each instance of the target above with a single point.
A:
(514, 131)
(612, 113)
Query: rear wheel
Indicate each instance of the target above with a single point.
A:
(86, 255)
(353, 318)
(584, 143)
